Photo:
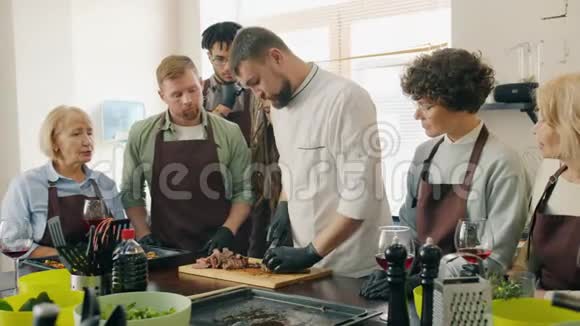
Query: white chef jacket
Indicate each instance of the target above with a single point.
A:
(329, 164)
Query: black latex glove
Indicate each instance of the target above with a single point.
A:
(376, 286)
(222, 238)
(228, 94)
(288, 259)
(150, 240)
(279, 231)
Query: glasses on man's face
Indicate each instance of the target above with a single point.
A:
(219, 61)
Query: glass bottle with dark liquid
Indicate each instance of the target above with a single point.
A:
(130, 271)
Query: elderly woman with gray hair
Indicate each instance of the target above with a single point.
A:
(60, 187)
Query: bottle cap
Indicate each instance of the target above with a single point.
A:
(127, 234)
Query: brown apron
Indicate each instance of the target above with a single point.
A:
(242, 118)
(182, 214)
(556, 241)
(70, 211)
(441, 206)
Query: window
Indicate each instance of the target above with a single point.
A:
(369, 41)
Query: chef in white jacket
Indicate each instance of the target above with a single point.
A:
(333, 198)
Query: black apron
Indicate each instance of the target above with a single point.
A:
(185, 214)
(70, 211)
(556, 241)
(441, 206)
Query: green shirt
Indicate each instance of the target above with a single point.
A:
(233, 154)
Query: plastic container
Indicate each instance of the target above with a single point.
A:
(159, 301)
(52, 280)
(129, 265)
(66, 300)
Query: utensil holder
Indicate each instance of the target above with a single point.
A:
(101, 284)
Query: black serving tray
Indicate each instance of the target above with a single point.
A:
(245, 307)
(166, 257)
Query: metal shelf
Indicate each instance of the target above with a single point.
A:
(528, 108)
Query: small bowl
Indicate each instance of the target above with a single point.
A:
(160, 301)
(66, 300)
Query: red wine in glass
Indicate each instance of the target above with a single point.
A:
(15, 253)
(481, 253)
(382, 261)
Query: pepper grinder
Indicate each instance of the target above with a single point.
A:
(396, 274)
(429, 255)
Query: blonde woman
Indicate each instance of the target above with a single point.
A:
(555, 223)
(60, 187)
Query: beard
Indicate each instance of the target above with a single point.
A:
(283, 97)
(190, 114)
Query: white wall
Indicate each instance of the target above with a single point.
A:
(189, 30)
(83, 52)
(8, 104)
(116, 46)
(8, 110)
(495, 26)
(44, 74)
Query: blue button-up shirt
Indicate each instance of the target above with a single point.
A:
(27, 196)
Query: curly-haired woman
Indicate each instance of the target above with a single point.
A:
(464, 171)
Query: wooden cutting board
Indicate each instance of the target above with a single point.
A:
(257, 277)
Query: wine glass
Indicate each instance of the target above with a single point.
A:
(474, 237)
(404, 237)
(15, 241)
(94, 211)
(386, 237)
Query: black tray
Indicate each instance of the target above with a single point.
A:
(166, 257)
(247, 307)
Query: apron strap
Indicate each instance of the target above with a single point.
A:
(541, 206)
(209, 130)
(53, 207)
(474, 159)
(424, 175)
(99, 195)
(96, 189)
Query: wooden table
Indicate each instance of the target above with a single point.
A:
(335, 288)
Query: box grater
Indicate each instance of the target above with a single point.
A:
(462, 301)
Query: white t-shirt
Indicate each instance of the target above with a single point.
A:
(189, 132)
(329, 164)
(500, 190)
(564, 199)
